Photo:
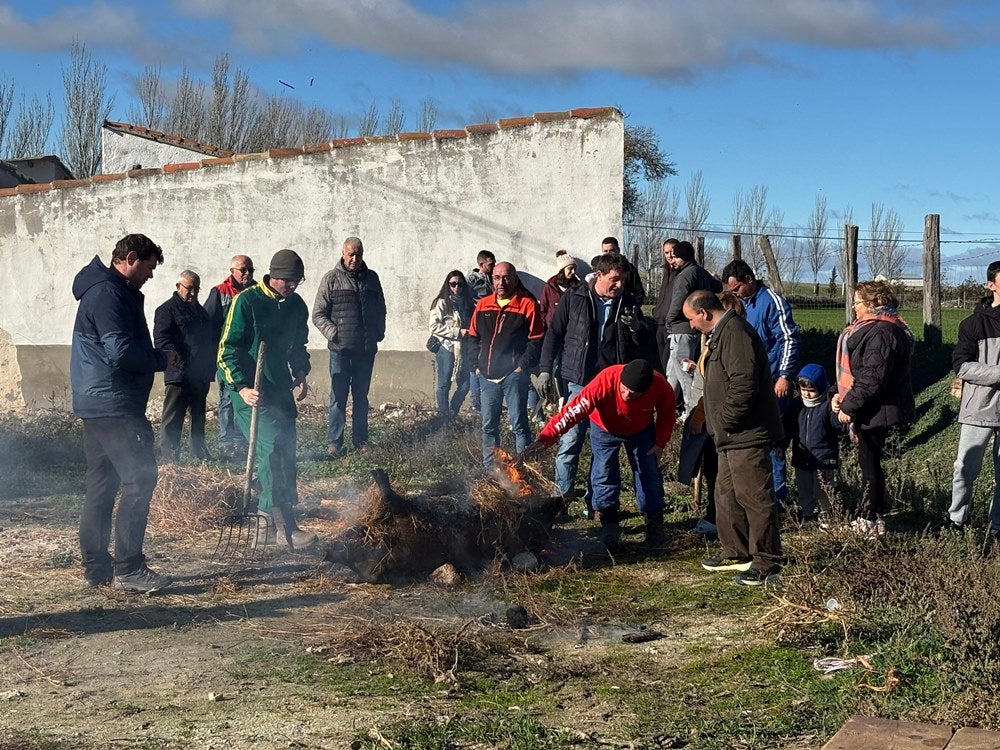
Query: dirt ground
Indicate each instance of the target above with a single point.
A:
(241, 656)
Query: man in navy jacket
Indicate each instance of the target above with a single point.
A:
(111, 371)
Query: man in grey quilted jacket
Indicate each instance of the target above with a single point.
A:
(350, 313)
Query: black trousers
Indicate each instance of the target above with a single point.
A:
(119, 453)
(178, 399)
(663, 346)
(871, 450)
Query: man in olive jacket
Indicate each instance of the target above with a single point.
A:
(350, 313)
(743, 419)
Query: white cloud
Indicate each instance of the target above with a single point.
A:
(98, 24)
(675, 39)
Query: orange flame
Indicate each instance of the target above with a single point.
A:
(514, 474)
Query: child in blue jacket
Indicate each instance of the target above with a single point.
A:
(814, 432)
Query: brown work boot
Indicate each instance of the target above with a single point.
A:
(296, 537)
(267, 532)
(610, 534)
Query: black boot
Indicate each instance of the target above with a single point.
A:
(610, 530)
(284, 517)
(655, 535)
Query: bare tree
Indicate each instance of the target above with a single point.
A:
(317, 126)
(278, 123)
(152, 99)
(220, 109)
(86, 108)
(660, 205)
(752, 219)
(368, 125)
(340, 128)
(794, 259)
(699, 206)
(816, 245)
(188, 111)
(31, 128)
(6, 104)
(242, 111)
(395, 119)
(883, 252)
(427, 118)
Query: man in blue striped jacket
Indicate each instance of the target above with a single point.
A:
(770, 315)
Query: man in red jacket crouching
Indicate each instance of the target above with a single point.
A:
(630, 405)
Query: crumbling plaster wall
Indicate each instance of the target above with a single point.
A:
(422, 206)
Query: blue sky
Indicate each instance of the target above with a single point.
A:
(860, 100)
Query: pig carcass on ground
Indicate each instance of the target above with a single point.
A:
(405, 539)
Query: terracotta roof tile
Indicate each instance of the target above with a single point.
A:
(344, 142)
(552, 116)
(7, 192)
(588, 112)
(414, 137)
(317, 148)
(283, 153)
(515, 122)
(170, 140)
(63, 184)
(147, 172)
(184, 166)
(218, 162)
(29, 188)
(253, 156)
(442, 135)
(110, 177)
(482, 129)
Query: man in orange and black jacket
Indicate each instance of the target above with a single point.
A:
(505, 339)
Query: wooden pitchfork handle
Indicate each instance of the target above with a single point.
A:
(252, 449)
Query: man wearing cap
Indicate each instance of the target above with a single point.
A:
(272, 313)
(350, 313)
(220, 297)
(632, 406)
(741, 412)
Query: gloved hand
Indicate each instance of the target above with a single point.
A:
(541, 381)
(630, 319)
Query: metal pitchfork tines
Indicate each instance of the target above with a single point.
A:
(244, 530)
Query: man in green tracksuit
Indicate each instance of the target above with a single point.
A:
(270, 312)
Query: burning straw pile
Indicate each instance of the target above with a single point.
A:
(191, 499)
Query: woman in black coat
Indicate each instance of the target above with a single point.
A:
(874, 393)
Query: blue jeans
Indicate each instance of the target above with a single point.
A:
(444, 368)
(606, 475)
(350, 372)
(512, 390)
(568, 453)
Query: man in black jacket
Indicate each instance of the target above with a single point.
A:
(684, 342)
(181, 325)
(662, 303)
(596, 324)
(742, 416)
(633, 281)
(350, 313)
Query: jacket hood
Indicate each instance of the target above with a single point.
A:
(816, 375)
(985, 307)
(91, 275)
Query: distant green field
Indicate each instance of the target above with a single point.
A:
(833, 320)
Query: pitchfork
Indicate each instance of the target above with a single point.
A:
(242, 525)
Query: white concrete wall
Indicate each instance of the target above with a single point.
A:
(421, 206)
(122, 151)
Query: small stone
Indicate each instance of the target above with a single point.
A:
(517, 617)
(447, 575)
(524, 562)
(216, 697)
(10, 695)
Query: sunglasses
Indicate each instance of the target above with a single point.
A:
(454, 283)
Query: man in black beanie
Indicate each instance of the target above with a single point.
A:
(270, 312)
(628, 405)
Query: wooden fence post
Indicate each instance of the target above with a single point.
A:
(932, 279)
(699, 251)
(773, 275)
(737, 250)
(850, 269)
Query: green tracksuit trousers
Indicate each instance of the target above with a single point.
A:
(275, 446)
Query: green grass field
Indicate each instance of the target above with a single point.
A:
(832, 320)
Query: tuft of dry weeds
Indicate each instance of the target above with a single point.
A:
(430, 651)
(191, 499)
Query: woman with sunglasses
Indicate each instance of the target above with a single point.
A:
(451, 312)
